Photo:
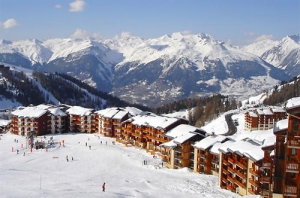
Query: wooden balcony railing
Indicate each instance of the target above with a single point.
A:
(254, 182)
(242, 175)
(255, 173)
(229, 169)
(292, 167)
(294, 142)
(241, 165)
(253, 191)
(243, 185)
(136, 134)
(265, 179)
(290, 190)
(230, 160)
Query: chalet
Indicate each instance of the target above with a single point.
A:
(81, 119)
(148, 130)
(204, 160)
(259, 173)
(215, 156)
(287, 153)
(57, 120)
(263, 118)
(109, 121)
(169, 148)
(180, 150)
(29, 119)
(234, 170)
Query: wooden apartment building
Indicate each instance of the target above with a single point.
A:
(263, 118)
(148, 130)
(109, 121)
(179, 151)
(286, 176)
(204, 160)
(81, 119)
(29, 119)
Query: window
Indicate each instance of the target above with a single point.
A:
(292, 175)
(294, 151)
(295, 126)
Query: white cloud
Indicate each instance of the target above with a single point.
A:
(264, 37)
(82, 34)
(58, 6)
(77, 6)
(9, 23)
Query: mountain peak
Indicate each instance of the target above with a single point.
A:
(295, 38)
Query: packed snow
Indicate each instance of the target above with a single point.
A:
(47, 173)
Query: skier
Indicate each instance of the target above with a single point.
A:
(67, 158)
(103, 187)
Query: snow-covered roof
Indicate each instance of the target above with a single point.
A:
(209, 141)
(120, 114)
(240, 147)
(110, 113)
(267, 112)
(293, 103)
(280, 125)
(184, 137)
(255, 153)
(57, 111)
(252, 114)
(81, 111)
(180, 130)
(4, 122)
(44, 106)
(276, 109)
(215, 148)
(133, 111)
(154, 121)
(269, 141)
(170, 144)
(30, 112)
(260, 111)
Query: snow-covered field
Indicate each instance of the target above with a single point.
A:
(42, 173)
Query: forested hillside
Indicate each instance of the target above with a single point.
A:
(39, 88)
(280, 94)
(204, 108)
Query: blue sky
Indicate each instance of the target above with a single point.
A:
(237, 21)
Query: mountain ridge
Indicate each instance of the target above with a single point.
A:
(162, 69)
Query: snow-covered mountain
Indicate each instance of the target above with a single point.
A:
(180, 65)
(88, 60)
(284, 54)
(149, 71)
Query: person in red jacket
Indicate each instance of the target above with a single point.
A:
(103, 187)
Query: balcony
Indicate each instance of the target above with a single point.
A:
(215, 161)
(241, 165)
(137, 134)
(290, 191)
(225, 162)
(292, 167)
(242, 175)
(253, 191)
(255, 173)
(229, 169)
(231, 161)
(265, 179)
(266, 165)
(254, 182)
(294, 142)
(239, 183)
